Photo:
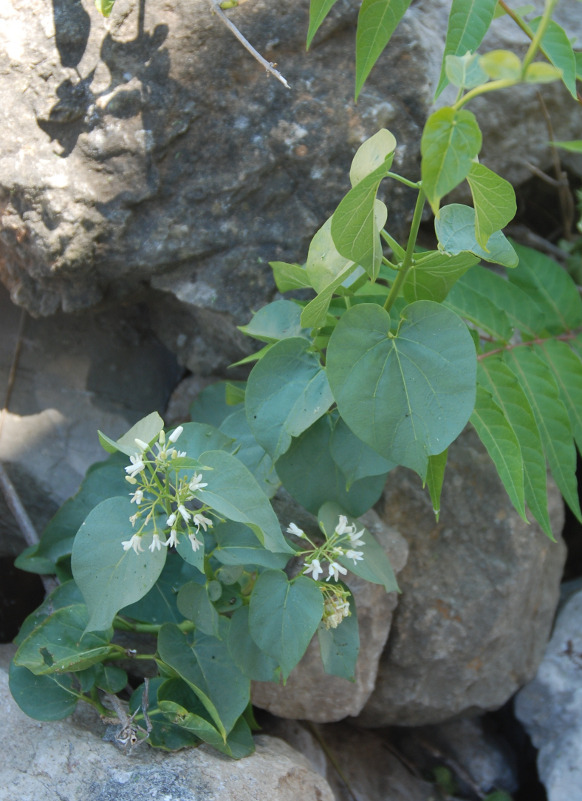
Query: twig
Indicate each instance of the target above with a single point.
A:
(214, 4)
(564, 194)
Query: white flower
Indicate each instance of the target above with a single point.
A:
(314, 568)
(172, 539)
(343, 527)
(355, 555)
(355, 538)
(156, 543)
(338, 551)
(176, 433)
(194, 542)
(178, 454)
(293, 529)
(171, 519)
(133, 518)
(196, 483)
(200, 520)
(137, 497)
(136, 465)
(335, 569)
(143, 446)
(185, 513)
(134, 542)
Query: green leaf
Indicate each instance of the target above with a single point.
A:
(324, 263)
(195, 605)
(552, 419)
(358, 220)
(109, 678)
(498, 436)
(469, 21)
(105, 7)
(284, 616)
(310, 474)
(237, 545)
(556, 46)
(455, 230)
(42, 697)
(234, 492)
(399, 394)
(376, 152)
(210, 406)
(58, 645)
(245, 653)
(164, 734)
(554, 291)
(339, 647)
(198, 437)
(501, 65)
(315, 313)
(250, 453)
(318, 11)
(434, 479)
(146, 429)
(434, 274)
(507, 393)
(375, 566)
(566, 365)
(275, 321)
(354, 458)
(109, 577)
(287, 392)
(540, 72)
(205, 664)
(377, 21)
(159, 605)
(289, 276)
(450, 141)
(494, 201)
(66, 594)
(468, 300)
(574, 146)
(465, 72)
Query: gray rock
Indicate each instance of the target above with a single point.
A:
(312, 694)
(70, 761)
(479, 592)
(550, 707)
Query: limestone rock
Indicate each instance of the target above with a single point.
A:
(479, 592)
(312, 694)
(69, 760)
(550, 706)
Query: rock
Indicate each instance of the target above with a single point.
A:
(550, 706)
(479, 592)
(69, 760)
(312, 694)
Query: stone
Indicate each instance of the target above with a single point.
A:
(69, 760)
(479, 593)
(314, 695)
(550, 706)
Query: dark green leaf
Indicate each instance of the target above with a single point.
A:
(455, 229)
(195, 605)
(160, 604)
(339, 647)
(377, 21)
(42, 697)
(469, 301)
(246, 654)
(354, 458)
(275, 321)
(237, 545)
(434, 274)
(249, 452)
(434, 479)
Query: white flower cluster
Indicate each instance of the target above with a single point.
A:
(343, 542)
(155, 496)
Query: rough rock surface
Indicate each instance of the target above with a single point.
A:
(69, 760)
(312, 694)
(479, 593)
(550, 706)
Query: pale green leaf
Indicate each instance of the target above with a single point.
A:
(377, 21)
(496, 433)
(105, 7)
(289, 276)
(376, 152)
(434, 274)
(146, 429)
(469, 21)
(450, 141)
(318, 11)
(494, 202)
(501, 65)
(324, 263)
(455, 230)
(541, 72)
(465, 72)
(275, 321)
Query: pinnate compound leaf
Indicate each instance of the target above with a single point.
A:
(450, 141)
(275, 321)
(566, 366)
(494, 202)
(557, 47)
(339, 647)
(434, 274)
(42, 697)
(109, 577)
(284, 616)
(539, 385)
(498, 436)
(318, 11)
(499, 380)
(468, 300)
(377, 21)
(58, 645)
(399, 394)
(204, 663)
(455, 230)
(287, 392)
(469, 21)
(554, 291)
(234, 493)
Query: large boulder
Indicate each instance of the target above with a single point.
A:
(479, 593)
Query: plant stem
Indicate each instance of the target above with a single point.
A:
(502, 83)
(397, 249)
(148, 628)
(539, 34)
(402, 180)
(409, 254)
